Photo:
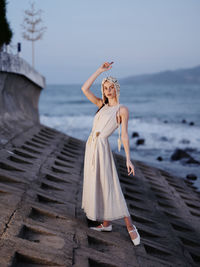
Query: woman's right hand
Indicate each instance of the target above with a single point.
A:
(105, 66)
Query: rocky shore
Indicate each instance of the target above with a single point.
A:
(41, 177)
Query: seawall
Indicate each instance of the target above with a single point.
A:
(20, 87)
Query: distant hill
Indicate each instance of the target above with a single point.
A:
(180, 76)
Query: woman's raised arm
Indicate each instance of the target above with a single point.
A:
(86, 86)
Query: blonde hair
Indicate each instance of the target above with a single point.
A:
(117, 88)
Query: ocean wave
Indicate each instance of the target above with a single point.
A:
(157, 134)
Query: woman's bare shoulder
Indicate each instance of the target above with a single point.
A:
(124, 109)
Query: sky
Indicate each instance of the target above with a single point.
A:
(140, 36)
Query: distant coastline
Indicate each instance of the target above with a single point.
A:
(179, 76)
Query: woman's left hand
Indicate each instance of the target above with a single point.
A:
(130, 167)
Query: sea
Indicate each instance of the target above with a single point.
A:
(167, 117)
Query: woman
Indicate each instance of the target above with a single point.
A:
(102, 197)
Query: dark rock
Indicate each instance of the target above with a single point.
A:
(182, 154)
(159, 158)
(179, 154)
(135, 134)
(192, 160)
(140, 141)
(184, 121)
(165, 121)
(185, 141)
(164, 138)
(191, 123)
(191, 176)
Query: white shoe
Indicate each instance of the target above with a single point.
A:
(136, 241)
(102, 228)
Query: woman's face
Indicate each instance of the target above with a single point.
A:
(109, 90)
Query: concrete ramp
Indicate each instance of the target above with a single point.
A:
(41, 179)
(42, 224)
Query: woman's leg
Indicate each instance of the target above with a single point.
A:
(129, 226)
(105, 224)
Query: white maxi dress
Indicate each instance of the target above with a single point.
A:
(102, 197)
